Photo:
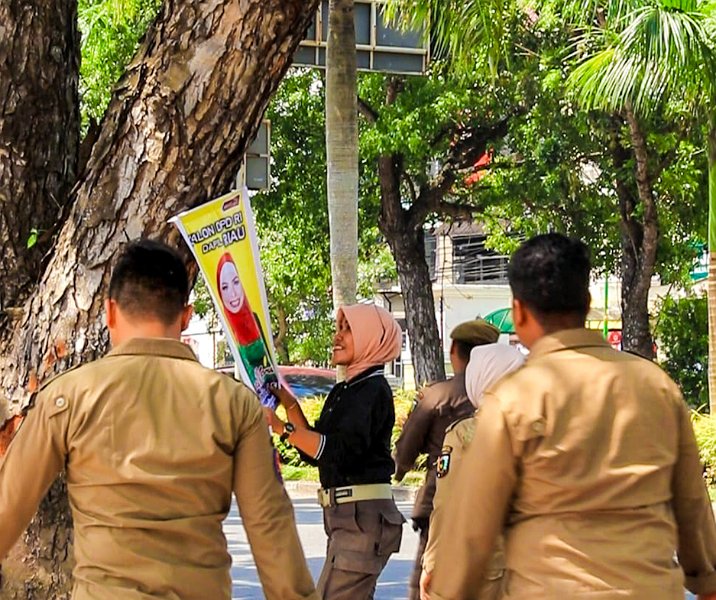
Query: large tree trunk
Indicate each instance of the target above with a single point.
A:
(342, 150)
(408, 248)
(39, 135)
(711, 285)
(425, 347)
(636, 333)
(39, 141)
(639, 239)
(173, 137)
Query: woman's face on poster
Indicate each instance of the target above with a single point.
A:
(232, 293)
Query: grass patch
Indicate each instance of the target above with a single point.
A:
(413, 479)
(299, 473)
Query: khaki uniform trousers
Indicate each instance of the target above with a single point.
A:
(361, 537)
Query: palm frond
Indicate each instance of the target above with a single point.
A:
(664, 50)
(659, 34)
(602, 13)
(458, 29)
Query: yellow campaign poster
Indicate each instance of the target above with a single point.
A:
(222, 236)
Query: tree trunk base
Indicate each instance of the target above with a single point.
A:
(39, 567)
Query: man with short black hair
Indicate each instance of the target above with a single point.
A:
(153, 445)
(150, 278)
(585, 458)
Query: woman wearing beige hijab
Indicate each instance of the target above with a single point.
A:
(488, 364)
(350, 444)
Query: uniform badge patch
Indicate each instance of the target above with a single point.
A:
(443, 462)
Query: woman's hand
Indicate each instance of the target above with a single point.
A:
(273, 421)
(285, 397)
(294, 413)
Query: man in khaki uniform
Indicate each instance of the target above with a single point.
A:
(153, 445)
(585, 456)
(438, 405)
(487, 365)
(458, 438)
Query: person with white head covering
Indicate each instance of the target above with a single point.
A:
(488, 364)
(437, 405)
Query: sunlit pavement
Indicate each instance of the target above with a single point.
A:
(393, 582)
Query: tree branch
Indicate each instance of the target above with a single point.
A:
(463, 153)
(456, 210)
(395, 86)
(367, 111)
(411, 186)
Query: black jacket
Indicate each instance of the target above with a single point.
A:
(356, 422)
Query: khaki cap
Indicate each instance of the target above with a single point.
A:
(477, 332)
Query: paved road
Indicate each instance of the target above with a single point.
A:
(392, 584)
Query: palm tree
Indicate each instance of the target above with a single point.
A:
(459, 28)
(342, 150)
(664, 52)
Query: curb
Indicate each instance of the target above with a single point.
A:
(303, 489)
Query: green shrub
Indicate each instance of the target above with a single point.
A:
(289, 455)
(705, 430)
(299, 473)
(403, 402)
(682, 333)
(291, 462)
(403, 405)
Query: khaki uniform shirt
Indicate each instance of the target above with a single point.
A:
(458, 438)
(153, 445)
(438, 405)
(588, 457)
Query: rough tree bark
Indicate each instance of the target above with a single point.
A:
(408, 249)
(639, 235)
(39, 140)
(39, 135)
(342, 150)
(173, 136)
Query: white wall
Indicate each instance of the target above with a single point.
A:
(201, 340)
(465, 303)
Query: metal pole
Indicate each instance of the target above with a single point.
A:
(606, 304)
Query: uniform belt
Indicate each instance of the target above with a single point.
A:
(354, 493)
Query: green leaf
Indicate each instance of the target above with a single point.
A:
(32, 238)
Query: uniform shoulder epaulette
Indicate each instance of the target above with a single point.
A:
(54, 378)
(457, 422)
(31, 401)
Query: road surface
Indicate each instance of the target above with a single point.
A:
(393, 582)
